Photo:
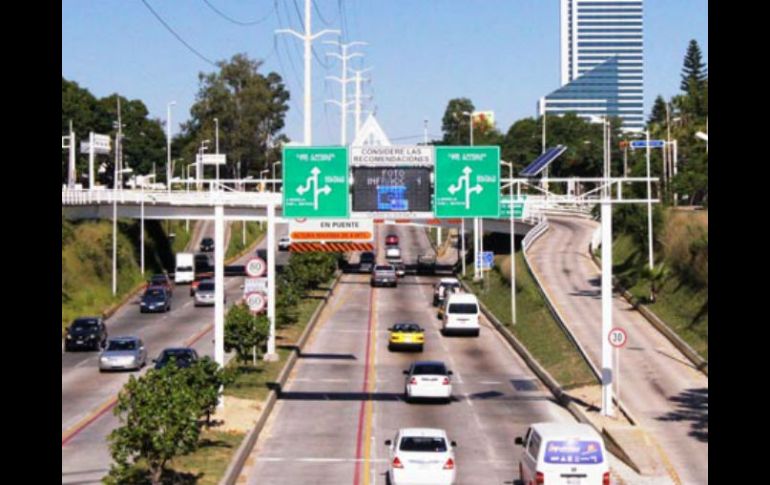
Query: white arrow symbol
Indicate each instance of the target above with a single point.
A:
(464, 180)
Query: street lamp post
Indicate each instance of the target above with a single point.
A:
(513, 245)
(274, 179)
(476, 227)
(216, 144)
(168, 144)
(115, 235)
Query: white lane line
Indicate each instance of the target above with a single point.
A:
(490, 382)
(318, 460)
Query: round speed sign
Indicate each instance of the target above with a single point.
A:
(256, 267)
(256, 301)
(618, 337)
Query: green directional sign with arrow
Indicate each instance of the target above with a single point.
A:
(518, 206)
(467, 182)
(315, 181)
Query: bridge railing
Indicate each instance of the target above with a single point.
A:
(204, 198)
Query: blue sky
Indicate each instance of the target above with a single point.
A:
(502, 54)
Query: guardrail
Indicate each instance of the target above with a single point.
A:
(72, 197)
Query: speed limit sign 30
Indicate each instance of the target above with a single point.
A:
(618, 337)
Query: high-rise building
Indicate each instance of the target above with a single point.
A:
(601, 61)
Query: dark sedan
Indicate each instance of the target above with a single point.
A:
(207, 245)
(183, 357)
(155, 299)
(86, 333)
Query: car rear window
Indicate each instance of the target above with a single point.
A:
(84, 324)
(121, 345)
(422, 443)
(367, 258)
(406, 327)
(463, 308)
(206, 286)
(429, 369)
(155, 293)
(384, 268)
(573, 452)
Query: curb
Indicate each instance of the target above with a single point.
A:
(553, 386)
(246, 250)
(238, 461)
(698, 361)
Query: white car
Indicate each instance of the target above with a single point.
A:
(284, 243)
(393, 252)
(421, 456)
(563, 454)
(428, 380)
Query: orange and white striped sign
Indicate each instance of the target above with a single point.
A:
(331, 247)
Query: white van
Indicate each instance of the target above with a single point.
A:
(185, 268)
(563, 454)
(460, 314)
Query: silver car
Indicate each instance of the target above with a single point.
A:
(123, 353)
(204, 294)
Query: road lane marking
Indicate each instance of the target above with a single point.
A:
(363, 414)
(317, 460)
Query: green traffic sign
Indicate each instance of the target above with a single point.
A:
(518, 206)
(467, 182)
(315, 181)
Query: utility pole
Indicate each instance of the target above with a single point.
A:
(344, 83)
(216, 143)
(649, 204)
(308, 37)
(71, 165)
(357, 100)
(425, 132)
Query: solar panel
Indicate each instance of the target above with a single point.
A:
(542, 161)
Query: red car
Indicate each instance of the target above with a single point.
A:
(391, 240)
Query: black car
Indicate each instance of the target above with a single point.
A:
(155, 299)
(207, 245)
(366, 262)
(183, 356)
(86, 332)
(202, 263)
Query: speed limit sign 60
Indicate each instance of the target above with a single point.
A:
(618, 337)
(256, 301)
(256, 267)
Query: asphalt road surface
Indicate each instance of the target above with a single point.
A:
(345, 396)
(87, 417)
(659, 385)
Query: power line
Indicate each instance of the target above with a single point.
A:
(237, 22)
(168, 27)
(343, 20)
(320, 15)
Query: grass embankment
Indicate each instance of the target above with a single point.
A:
(535, 327)
(682, 301)
(87, 262)
(253, 231)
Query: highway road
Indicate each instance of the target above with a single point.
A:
(87, 417)
(344, 397)
(658, 384)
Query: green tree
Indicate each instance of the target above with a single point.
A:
(658, 114)
(308, 270)
(694, 72)
(245, 332)
(456, 125)
(159, 421)
(207, 378)
(249, 106)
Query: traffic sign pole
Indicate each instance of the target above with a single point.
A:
(606, 281)
(271, 355)
(617, 338)
(219, 289)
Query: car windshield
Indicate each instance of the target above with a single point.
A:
(367, 258)
(181, 354)
(384, 268)
(84, 325)
(572, 452)
(206, 287)
(121, 345)
(423, 444)
(155, 294)
(463, 308)
(429, 369)
(406, 327)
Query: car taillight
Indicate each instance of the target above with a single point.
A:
(397, 463)
(446, 381)
(449, 465)
(606, 478)
(413, 380)
(539, 478)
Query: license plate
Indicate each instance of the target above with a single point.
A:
(573, 481)
(79, 342)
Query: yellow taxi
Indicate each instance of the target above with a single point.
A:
(406, 336)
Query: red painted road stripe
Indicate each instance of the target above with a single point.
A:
(114, 399)
(361, 413)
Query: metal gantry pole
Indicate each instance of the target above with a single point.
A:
(169, 175)
(271, 354)
(649, 204)
(462, 243)
(141, 229)
(219, 289)
(91, 157)
(71, 167)
(114, 242)
(606, 281)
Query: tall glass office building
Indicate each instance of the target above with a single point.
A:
(601, 61)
